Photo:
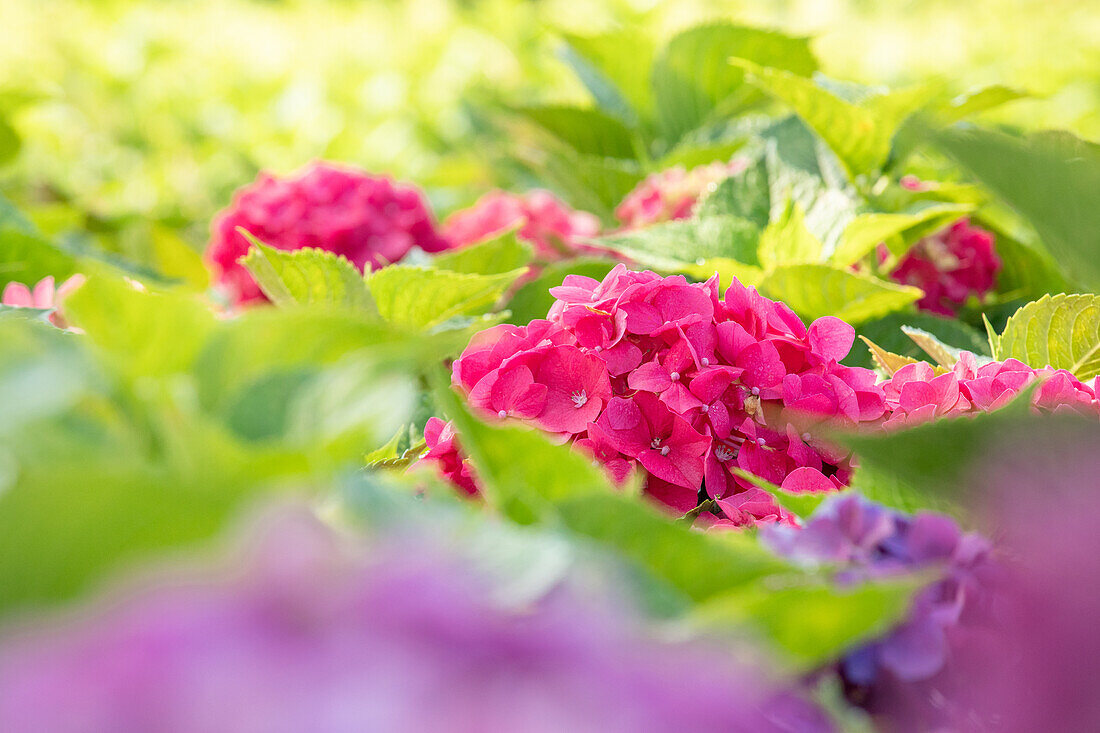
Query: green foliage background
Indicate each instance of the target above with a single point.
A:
(149, 114)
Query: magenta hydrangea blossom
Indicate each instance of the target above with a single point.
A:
(666, 376)
(917, 394)
(310, 637)
(950, 267)
(547, 223)
(370, 220)
(901, 675)
(43, 295)
(672, 194)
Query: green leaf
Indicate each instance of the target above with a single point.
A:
(13, 218)
(1051, 179)
(614, 67)
(885, 361)
(10, 142)
(787, 241)
(867, 231)
(533, 299)
(697, 564)
(820, 290)
(142, 333)
(176, 259)
(307, 277)
(745, 195)
(587, 131)
(979, 100)
(1060, 331)
(267, 341)
(519, 470)
(814, 623)
(802, 168)
(932, 460)
(692, 78)
(422, 298)
(588, 182)
(944, 355)
(859, 134)
(555, 484)
(887, 334)
(688, 243)
(499, 253)
(690, 154)
(27, 257)
(1027, 269)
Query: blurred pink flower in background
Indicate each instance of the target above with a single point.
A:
(370, 220)
(672, 194)
(950, 267)
(545, 222)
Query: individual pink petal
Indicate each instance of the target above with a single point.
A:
(831, 337)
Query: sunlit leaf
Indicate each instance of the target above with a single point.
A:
(820, 290)
(1061, 331)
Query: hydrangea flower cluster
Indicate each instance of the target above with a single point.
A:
(902, 674)
(672, 194)
(950, 266)
(310, 639)
(44, 295)
(917, 394)
(547, 223)
(651, 372)
(370, 220)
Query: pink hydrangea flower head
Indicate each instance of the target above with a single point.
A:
(950, 266)
(672, 194)
(370, 220)
(545, 221)
(666, 375)
(917, 394)
(43, 295)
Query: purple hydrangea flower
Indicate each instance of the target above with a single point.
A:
(313, 638)
(901, 674)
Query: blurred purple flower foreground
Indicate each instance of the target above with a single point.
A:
(1040, 671)
(310, 640)
(902, 675)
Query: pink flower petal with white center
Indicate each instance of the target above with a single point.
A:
(516, 393)
(807, 480)
(679, 399)
(651, 377)
(831, 337)
(578, 388)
